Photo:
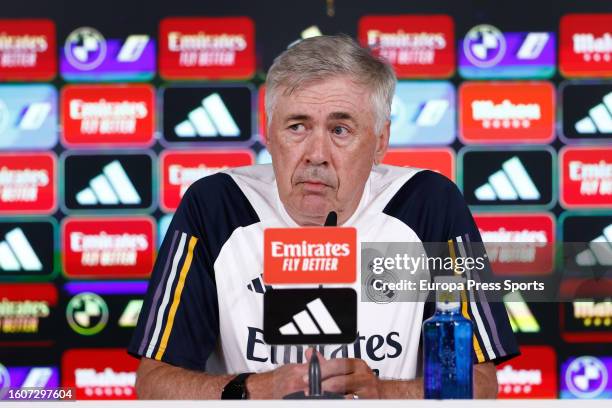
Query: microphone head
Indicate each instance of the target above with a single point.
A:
(331, 220)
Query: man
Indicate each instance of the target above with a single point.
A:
(200, 331)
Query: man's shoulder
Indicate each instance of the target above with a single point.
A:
(398, 184)
(425, 188)
(229, 181)
(215, 196)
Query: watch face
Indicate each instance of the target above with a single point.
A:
(236, 388)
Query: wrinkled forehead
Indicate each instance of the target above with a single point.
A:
(331, 97)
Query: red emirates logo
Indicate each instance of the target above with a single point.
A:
(108, 114)
(439, 160)
(518, 244)
(585, 48)
(108, 247)
(310, 255)
(181, 169)
(207, 48)
(505, 112)
(586, 177)
(100, 374)
(416, 46)
(27, 50)
(27, 183)
(531, 375)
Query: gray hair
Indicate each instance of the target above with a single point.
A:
(322, 57)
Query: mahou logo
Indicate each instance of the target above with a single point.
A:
(27, 183)
(27, 50)
(518, 244)
(181, 169)
(586, 177)
(505, 112)
(211, 48)
(438, 160)
(310, 255)
(586, 45)
(104, 115)
(108, 247)
(416, 46)
(100, 373)
(531, 375)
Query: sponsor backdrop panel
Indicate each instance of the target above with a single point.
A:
(105, 121)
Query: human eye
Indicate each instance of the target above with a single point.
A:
(341, 131)
(297, 127)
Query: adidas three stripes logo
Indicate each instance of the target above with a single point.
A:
(512, 182)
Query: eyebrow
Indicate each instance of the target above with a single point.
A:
(333, 115)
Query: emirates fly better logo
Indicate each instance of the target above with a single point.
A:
(105, 115)
(212, 48)
(108, 247)
(27, 50)
(518, 244)
(586, 179)
(181, 169)
(27, 183)
(416, 46)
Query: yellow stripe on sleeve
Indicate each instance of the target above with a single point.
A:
(176, 299)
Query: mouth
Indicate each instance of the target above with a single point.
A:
(314, 186)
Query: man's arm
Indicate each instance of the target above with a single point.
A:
(353, 376)
(485, 385)
(158, 380)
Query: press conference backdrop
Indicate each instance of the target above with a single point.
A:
(109, 110)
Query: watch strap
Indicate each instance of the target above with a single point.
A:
(236, 388)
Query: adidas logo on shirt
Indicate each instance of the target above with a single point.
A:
(210, 119)
(599, 119)
(512, 182)
(310, 316)
(111, 187)
(599, 251)
(257, 285)
(304, 321)
(16, 253)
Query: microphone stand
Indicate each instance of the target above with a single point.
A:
(314, 384)
(314, 367)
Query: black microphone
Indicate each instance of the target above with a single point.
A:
(314, 376)
(331, 220)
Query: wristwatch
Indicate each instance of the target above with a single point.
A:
(236, 388)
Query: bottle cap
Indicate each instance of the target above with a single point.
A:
(448, 292)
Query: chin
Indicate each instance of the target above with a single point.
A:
(315, 209)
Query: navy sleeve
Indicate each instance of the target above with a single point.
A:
(435, 209)
(179, 320)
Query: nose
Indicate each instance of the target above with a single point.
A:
(318, 150)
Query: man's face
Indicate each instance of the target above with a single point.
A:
(322, 142)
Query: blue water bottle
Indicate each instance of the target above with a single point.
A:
(447, 345)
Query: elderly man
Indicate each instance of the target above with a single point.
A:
(200, 331)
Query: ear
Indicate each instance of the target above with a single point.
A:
(382, 143)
